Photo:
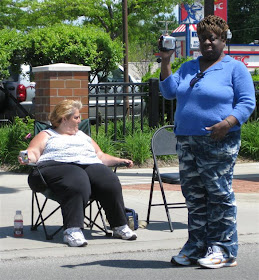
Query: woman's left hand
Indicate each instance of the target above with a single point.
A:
(219, 130)
(127, 162)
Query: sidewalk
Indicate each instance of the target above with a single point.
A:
(16, 195)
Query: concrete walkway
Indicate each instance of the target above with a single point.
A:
(16, 195)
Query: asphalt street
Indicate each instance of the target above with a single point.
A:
(127, 266)
(34, 257)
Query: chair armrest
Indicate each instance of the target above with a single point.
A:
(122, 164)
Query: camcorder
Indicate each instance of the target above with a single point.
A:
(24, 156)
(166, 43)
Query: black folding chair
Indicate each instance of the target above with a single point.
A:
(90, 219)
(163, 143)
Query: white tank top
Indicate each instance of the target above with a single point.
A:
(76, 148)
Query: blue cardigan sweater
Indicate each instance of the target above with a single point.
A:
(226, 89)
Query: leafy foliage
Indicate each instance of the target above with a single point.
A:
(243, 19)
(106, 14)
(250, 140)
(72, 44)
(14, 138)
(135, 146)
(255, 75)
(10, 46)
(143, 19)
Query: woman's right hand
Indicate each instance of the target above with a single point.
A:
(21, 161)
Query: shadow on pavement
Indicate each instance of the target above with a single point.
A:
(250, 177)
(136, 264)
(164, 226)
(6, 190)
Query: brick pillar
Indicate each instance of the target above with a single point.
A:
(60, 81)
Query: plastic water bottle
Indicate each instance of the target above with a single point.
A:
(18, 224)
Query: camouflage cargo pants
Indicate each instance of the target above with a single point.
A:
(206, 172)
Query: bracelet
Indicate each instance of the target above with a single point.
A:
(229, 123)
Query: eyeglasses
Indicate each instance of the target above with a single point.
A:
(196, 78)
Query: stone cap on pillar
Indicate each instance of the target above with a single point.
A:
(61, 67)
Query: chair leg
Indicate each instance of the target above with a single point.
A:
(32, 211)
(92, 221)
(102, 218)
(166, 206)
(150, 199)
(40, 220)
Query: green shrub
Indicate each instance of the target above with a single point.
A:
(250, 140)
(106, 144)
(14, 138)
(135, 145)
(255, 75)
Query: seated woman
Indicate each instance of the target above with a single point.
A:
(75, 168)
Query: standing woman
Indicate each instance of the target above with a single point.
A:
(215, 96)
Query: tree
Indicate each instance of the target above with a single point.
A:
(11, 14)
(243, 20)
(143, 17)
(106, 14)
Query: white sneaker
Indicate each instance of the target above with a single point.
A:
(124, 232)
(180, 259)
(74, 237)
(216, 258)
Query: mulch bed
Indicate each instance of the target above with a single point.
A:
(250, 185)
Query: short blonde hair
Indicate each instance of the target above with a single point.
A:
(65, 109)
(215, 24)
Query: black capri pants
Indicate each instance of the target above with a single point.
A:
(75, 184)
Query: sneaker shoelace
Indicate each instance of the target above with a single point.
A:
(209, 252)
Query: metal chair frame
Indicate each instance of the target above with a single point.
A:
(163, 143)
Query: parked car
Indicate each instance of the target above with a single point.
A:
(21, 87)
(111, 84)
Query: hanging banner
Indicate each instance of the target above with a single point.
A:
(189, 14)
(221, 9)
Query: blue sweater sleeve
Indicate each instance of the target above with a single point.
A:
(244, 93)
(169, 85)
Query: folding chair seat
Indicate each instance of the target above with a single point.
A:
(90, 219)
(163, 143)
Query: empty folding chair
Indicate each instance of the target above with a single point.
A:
(163, 143)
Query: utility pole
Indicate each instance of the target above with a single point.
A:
(125, 52)
(125, 40)
(208, 7)
(166, 25)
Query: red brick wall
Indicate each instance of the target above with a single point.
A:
(54, 86)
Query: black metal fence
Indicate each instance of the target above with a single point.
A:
(134, 101)
(255, 116)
